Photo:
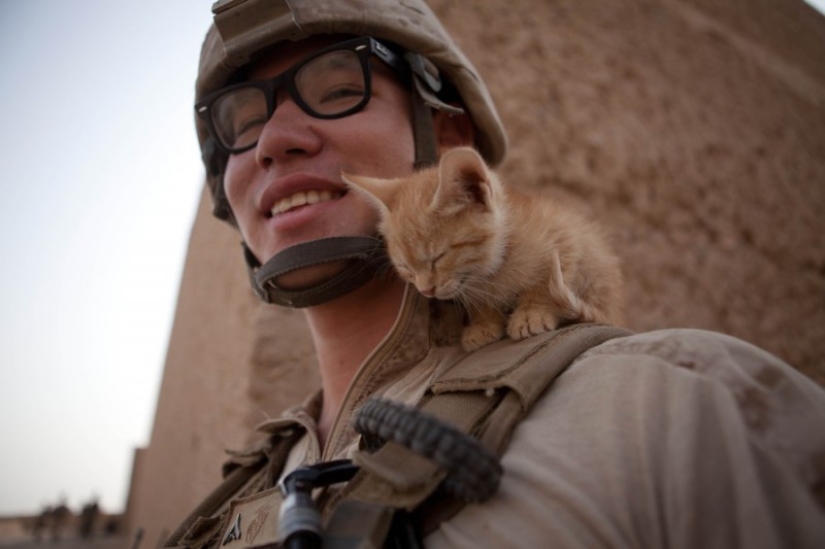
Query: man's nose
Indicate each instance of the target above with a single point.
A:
(288, 133)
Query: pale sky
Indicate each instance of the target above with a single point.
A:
(100, 180)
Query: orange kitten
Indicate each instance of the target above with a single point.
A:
(524, 264)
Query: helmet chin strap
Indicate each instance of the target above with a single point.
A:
(365, 257)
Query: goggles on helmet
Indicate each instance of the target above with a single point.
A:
(332, 83)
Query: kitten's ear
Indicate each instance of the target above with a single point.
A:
(381, 192)
(463, 178)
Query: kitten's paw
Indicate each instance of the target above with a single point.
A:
(476, 336)
(531, 321)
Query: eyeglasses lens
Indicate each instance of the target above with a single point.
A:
(332, 84)
(328, 86)
(239, 116)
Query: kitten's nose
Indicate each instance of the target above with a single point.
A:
(429, 292)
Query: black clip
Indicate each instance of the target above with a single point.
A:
(299, 525)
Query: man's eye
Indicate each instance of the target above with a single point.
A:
(249, 125)
(340, 93)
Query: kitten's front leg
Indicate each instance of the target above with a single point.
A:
(541, 308)
(486, 326)
(533, 315)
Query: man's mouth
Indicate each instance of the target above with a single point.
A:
(303, 198)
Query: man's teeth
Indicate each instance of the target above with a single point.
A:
(303, 198)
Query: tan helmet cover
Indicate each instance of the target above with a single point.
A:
(244, 28)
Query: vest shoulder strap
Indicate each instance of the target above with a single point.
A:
(485, 395)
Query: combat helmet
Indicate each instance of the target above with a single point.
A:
(243, 29)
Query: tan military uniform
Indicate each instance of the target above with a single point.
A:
(675, 438)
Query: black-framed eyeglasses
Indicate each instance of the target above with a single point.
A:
(332, 83)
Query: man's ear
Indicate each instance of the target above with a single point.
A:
(452, 130)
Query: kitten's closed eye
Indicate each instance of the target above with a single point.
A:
(437, 258)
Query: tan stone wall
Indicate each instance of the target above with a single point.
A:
(694, 130)
(203, 405)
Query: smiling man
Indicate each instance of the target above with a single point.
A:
(287, 190)
(587, 436)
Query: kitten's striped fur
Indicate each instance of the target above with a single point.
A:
(519, 264)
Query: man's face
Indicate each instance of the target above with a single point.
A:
(288, 189)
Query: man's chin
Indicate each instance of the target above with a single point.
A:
(307, 277)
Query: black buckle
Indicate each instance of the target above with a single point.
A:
(300, 522)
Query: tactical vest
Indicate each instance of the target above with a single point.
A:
(485, 395)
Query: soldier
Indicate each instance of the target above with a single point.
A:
(674, 438)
